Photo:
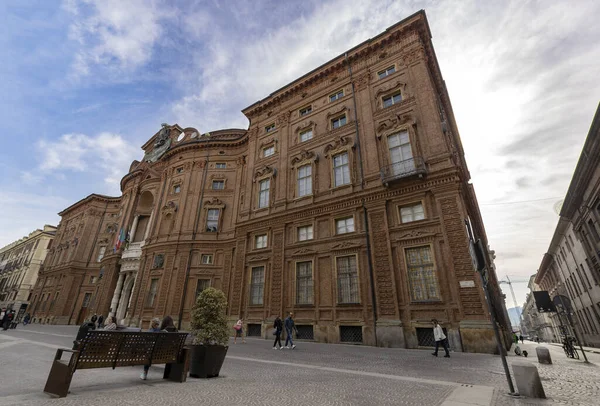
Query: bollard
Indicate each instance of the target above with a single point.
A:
(528, 380)
(543, 355)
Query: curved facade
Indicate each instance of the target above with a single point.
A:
(344, 202)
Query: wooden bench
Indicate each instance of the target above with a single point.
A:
(111, 349)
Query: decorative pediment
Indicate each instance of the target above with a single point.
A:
(267, 170)
(169, 208)
(397, 122)
(416, 234)
(304, 251)
(304, 126)
(258, 258)
(336, 112)
(103, 241)
(214, 202)
(217, 176)
(268, 141)
(338, 143)
(397, 85)
(305, 156)
(345, 246)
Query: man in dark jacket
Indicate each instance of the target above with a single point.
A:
(100, 321)
(93, 319)
(290, 327)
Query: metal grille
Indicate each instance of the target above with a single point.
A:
(254, 330)
(425, 336)
(351, 334)
(305, 332)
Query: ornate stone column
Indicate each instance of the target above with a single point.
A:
(134, 227)
(117, 295)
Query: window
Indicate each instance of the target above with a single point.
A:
(305, 233)
(269, 128)
(201, 286)
(306, 110)
(391, 100)
(176, 189)
(338, 122)
(260, 241)
(345, 225)
(386, 72)
(593, 230)
(401, 153)
(159, 261)
(179, 170)
(263, 194)
(152, 293)
(336, 96)
(212, 220)
(257, 285)
(341, 170)
(85, 303)
(206, 259)
(93, 279)
(306, 135)
(304, 180)
(220, 165)
(421, 274)
(218, 184)
(412, 213)
(268, 151)
(347, 279)
(304, 283)
(101, 252)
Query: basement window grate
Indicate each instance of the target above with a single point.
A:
(425, 336)
(351, 334)
(305, 332)
(254, 330)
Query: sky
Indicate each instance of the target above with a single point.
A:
(85, 83)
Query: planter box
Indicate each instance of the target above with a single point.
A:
(206, 360)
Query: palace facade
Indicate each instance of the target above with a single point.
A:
(343, 202)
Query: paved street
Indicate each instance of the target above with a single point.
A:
(322, 374)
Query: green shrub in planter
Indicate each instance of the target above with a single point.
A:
(210, 332)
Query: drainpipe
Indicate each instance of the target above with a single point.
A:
(365, 214)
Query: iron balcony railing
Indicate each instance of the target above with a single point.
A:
(410, 167)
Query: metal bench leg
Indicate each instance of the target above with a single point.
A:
(178, 371)
(59, 379)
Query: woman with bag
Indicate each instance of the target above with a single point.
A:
(278, 326)
(239, 331)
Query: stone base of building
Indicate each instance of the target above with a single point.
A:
(390, 334)
(478, 336)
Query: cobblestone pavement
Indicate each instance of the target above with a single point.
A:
(326, 374)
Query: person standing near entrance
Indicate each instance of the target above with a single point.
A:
(94, 319)
(290, 327)
(440, 339)
(278, 326)
(100, 320)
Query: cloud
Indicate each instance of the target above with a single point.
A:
(108, 153)
(115, 37)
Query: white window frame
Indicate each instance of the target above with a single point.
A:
(264, 190)
(341, 169)
(305, 111)
(305, 135)
(351, 281)
(220, 165)
(206, 259)
(304, 180)
(394, 98)
(218, 182)
(176, 189)
(308, 294)
(339, 122)
(410, 213)
(211, 221)
(336, 96)
(260, 241)
(344, 225)
(257, 286)
(382, 74)
(270, 128)
(305, 233)
(417, 275)
(268, 151)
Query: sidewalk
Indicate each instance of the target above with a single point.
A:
(586, 349)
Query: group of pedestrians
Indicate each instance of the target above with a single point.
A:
(7, 316)
(99, 320)
(157, 326)
(278, 327)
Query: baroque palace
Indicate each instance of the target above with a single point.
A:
(343, 202)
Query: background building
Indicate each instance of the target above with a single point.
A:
(344, 202)
(20, 263)
(538, 324)
(572, 265)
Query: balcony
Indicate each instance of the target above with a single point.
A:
(404, 169)
(133, 251)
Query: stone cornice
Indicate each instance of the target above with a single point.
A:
(89, 199)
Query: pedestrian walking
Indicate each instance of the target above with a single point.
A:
(7, 320)
(111, 323)
(239, 331)
(26, 319)
(168, 325)
(100, 321)
(278, 326)
(537, 339)
(154, 328)
(521, 338)
(440, 339)
(290, 327)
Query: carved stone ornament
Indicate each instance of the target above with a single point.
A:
(241, 161)
(416, 234)
(169, 208)
(305, 156)
(395, 123)
(257, 258)
(390, 88)
(161, 145)
(253, 132)
(265, 171)
(336, 112)
(345, 245)
(199, 164)
(304, 251)
(283, 119)
(362, 81)
(304, 126)
(337, 144)
(214, 202)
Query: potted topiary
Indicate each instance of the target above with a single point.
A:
(210, 334)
